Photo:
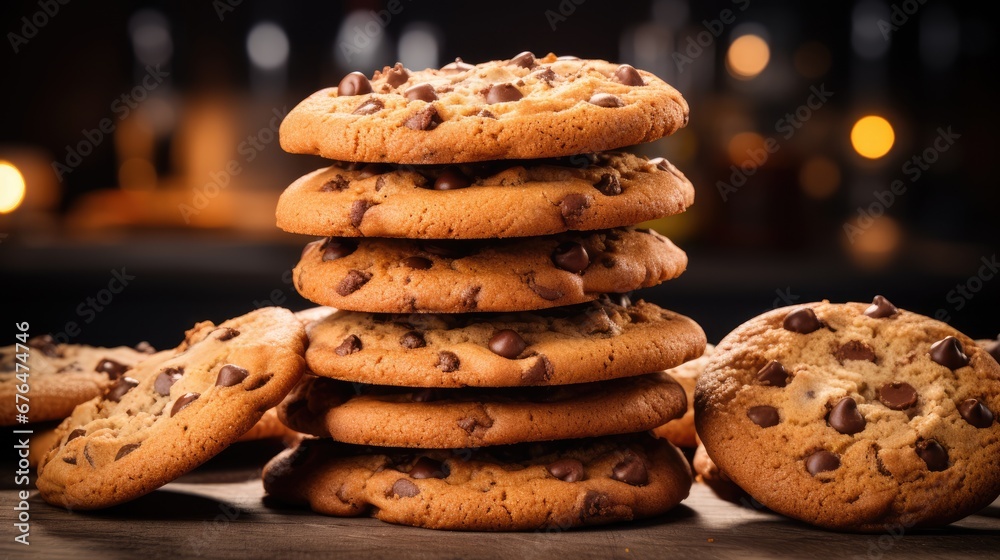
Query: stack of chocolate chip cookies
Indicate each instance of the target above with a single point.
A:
(484, 370)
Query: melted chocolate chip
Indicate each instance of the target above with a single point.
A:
(349, 346)
(420, 92)
(397, 75)
(855, 350)
(404, 488)
(609, 185)
(606, 100)
(881, 308)
(358, 209)
(338, 247)
(111, 367)
(75, 434)
(230, 375)
(538, 372)
(122, 386)
(846, 418)
(976, 413)
(351, 283)
(412, 339)
(525, 59)
(426, 118)
(425, 467)
(354, 83)
(69, 460)
(145, 347)
(457, 66)
(337, 184)
(571, 256)
(898, 395)
(166, 379)
(935, 456)
(227, 334)
(802, 320)
(822, 461)
(451, 179)
(126, 449)
(566, 470)
(572, 206)
(660, 163)
(949, 352)
(629, 76)
(182, 403)
(373, 169)
(507, 343)
(369, 107)
(631, 470)
(764, 416)
(447, 362)
(545, 74)
(544, 292)
(773, 374)
(503, 93)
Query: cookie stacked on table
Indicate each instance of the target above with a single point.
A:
(484, 370)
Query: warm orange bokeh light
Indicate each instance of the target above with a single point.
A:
(748, 56)
(12, 188)
(872, 136)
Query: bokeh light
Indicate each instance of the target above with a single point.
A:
(872, 136)
(875, 246)
(748, 56)
(267, 46)
(741, 145)
(11, 187)
(819, 177)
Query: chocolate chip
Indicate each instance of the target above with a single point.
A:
(855, 350)
(337, 184)
(145, 347)
(468, 424)
(227, 333)
(404, 488)
(661, 163)
(425, 467)
(412, 339)
(166, 379)
(525, 59)
(606, 100)
(122, 386)
(545, 74)
(111, 367)
(992, 348)
(544, 292)
(338, 247)
(485, 114)
(349, 346)
(949, 352)
(802, 320)
(572, 206)
(447, 362)
(126, 449)
(75, 434)
(571, 256)
(503, 93)
(354, 83)
(846, 418)
(609, 185)
(629, 76)
(773, 374)
(397, 75)
(933, 454)
(897, 395)
(425, 119)
(881, 308)
(507, 343)
(764, 416)
(358, 209)
(373, 169)
(427, 394)
(457, 66)
(976, 413)
(231, 374)
(822, 461)
(631, 470)
(568, 57)
(420, 92)
(69, 460)
(86, 454)
(451, 179)
(566, 470)
(181, 403)
(538, 372)
(417, 263)
(351, 283)
(46, 344)
(369, 107)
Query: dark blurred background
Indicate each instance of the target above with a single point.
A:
(839, 150)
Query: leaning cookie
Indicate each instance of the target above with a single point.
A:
(992, 347)
(189, 406)
(709, 474)
(681, 432)
(60, 376)
(593, 341)
(555, 486)
(474, 417)
(854, 417)
(539, 197)
(402, 275)
(521, 108)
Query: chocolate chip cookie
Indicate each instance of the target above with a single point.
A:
(992, 347)
(474, 417)
(521, 108)
(604, 339)
(187, 407)
(681, 432)
(453, 276)
(556, 485)
(60, 376)
(532, 197)
(854, 416)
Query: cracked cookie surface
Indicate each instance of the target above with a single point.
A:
(854, 416)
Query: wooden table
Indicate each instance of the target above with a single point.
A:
(219, 511)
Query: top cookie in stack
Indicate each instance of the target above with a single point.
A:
(476, 230)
